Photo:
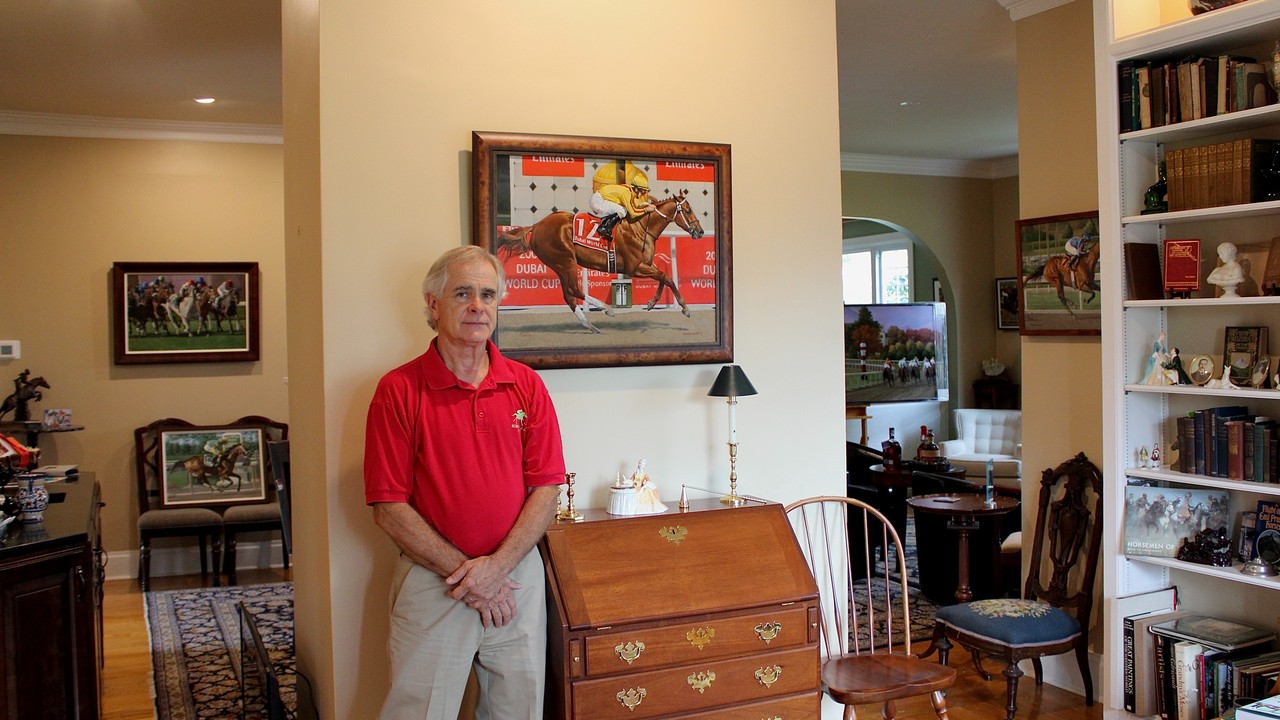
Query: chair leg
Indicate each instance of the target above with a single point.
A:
(144, 565)
(204, 562)
(976, 657)
(1012, 672)
(889, 711)
(217, 559)
(943, 642)
(1039, 668)
(939, 701)
(229, 546)
(1082, 659)
(284, 552)
(850, 713)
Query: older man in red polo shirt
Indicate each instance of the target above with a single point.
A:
(463, 462)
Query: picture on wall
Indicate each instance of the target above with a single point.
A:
(212, 466)
(1007, 303)
(1060, 278)
(616, 251)
(895, 353)
(184, 312)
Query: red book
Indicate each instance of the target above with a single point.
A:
(1182, 265)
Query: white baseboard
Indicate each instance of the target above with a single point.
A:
(185, 560)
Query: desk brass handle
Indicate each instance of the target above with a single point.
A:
(700, 681)
(700, 637)
(674, 534)
(629, 651)
(768, 675)
(631, 697)
(768, 631)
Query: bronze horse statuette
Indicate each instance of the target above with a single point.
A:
(25, 389)
(551, 240)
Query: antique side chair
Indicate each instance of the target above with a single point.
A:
(255, 517)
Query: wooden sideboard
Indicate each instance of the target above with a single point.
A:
(50, 605)
(708, 613)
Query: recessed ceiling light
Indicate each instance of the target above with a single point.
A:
(205, 101)
(908, 103)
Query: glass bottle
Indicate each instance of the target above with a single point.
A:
(892, 451)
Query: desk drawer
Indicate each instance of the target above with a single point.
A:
(799, 707)
(696, 641)
(696, 686)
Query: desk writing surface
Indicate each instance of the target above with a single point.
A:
(642, 568)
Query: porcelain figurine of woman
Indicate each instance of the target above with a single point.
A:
(1153, 371)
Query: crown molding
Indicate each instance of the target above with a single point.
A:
(52, 124)
(983, 169)
(1019, 9)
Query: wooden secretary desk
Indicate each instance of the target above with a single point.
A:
(710, 613)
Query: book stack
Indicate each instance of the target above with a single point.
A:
(1154, 94)
(1225, 173)
(1229, 442)
(1203, 663)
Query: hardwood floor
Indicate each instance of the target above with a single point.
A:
(127, 685)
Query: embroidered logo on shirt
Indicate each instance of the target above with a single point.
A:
(520, 416)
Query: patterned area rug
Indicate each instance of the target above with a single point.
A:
(195, 647)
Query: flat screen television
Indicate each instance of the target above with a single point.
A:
(895, 353)
(259, 685)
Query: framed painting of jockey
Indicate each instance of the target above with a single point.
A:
(616, 251)
(184, 312)
(207, 466)
(1059, 289)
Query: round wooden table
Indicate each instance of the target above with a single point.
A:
(962, 511)
(892, 485)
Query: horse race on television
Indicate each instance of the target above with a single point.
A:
(895, 353)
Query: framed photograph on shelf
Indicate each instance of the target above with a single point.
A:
(184, 312)
(1059, 291)
(1242, 348)
(1007, 303)
(659, 292)
(210, 466)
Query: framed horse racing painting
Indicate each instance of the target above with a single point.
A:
(207, 466)
(616, 251)
(184, 312)
(1058, 279)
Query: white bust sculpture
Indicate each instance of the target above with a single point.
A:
(1229, 274)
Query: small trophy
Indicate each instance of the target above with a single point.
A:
(568, 514)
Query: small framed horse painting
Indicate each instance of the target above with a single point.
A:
(616, 251)
(1007, 303)
(184, 312)
(1058, 281)
(212, 466)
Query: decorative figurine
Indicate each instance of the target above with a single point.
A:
(1229, 274)
(1153, 371)
(1143, 456)
(1175, 367)
(1156, 199)
(622, 497)
(647, 501)
(1155, 456)
(25, 389)
(1210, 546)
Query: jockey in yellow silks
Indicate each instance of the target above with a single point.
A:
(611, 202)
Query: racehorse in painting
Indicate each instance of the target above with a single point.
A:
(551, 240)
(215, 310)
(220, 475)
(1057, 271)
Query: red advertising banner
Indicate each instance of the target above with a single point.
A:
(689, 171)
(551, 165)
(530, 283)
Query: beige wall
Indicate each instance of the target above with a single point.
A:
(401, 87)
(1004, 264)
(956, 219)
(70, 208)
(1061, 376)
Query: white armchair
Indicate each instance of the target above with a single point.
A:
(983, 435)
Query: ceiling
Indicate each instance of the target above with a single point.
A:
(950, 61)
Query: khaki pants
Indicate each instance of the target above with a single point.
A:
(435, 641)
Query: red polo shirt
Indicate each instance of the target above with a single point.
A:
(464, 457)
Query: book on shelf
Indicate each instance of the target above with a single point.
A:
(1266, 531)
(1209, 428)
(1142, 271)
(1264, 709)
(1217, 633)
(1242, 346)
(1186, 425)
(1139, 611)
(1186, 689)
(1182, 265)
(1234, 675)
(1157, 520)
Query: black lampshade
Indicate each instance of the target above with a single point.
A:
(731, 382)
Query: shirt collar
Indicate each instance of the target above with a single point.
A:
(439, 376)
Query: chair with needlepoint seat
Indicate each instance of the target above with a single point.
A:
(865, 629)
(1052, 618)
